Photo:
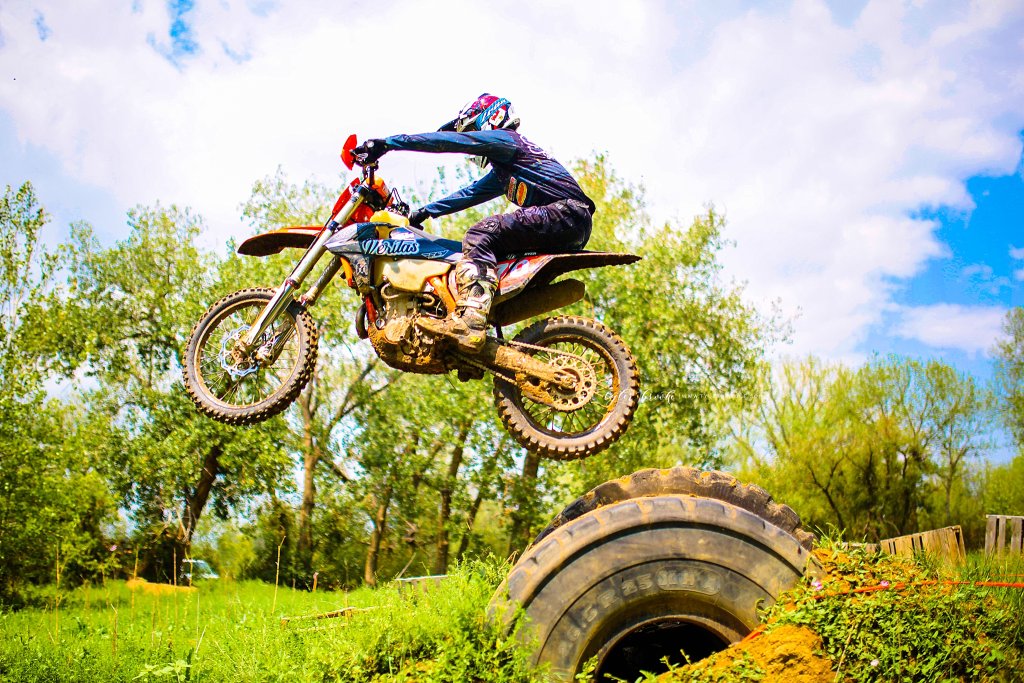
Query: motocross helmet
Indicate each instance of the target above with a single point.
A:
(486, 112)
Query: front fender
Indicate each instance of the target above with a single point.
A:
(276, 241)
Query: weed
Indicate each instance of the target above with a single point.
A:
(440, 636)
(927, 633)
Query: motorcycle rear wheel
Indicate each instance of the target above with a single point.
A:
(573, 434)
(243, 393)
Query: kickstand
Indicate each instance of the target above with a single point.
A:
(498, 332)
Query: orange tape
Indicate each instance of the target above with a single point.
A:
(897, 586)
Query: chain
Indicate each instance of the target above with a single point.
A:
(535, 347)
(469, 360)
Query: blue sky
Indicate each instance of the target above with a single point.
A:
(867, 154)
(981, 268)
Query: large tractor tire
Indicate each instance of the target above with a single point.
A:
(649, 565)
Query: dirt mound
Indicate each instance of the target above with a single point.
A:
(789, 654)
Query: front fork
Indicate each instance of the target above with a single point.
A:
(285, 293)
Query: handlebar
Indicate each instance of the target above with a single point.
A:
(368, 171)
(350, 160)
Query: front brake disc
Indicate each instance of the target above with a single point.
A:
(229, 362)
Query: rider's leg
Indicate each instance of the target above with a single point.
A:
(475, 291)
(559, 227)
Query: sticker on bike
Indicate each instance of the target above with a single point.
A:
(389, 247)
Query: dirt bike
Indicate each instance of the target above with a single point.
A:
(565, 387)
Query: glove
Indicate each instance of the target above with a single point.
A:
(418, 216)
(369, 151)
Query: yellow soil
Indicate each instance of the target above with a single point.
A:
(789, 654)
(156, 588)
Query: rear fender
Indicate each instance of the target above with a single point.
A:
(538, 301)
(515, 275)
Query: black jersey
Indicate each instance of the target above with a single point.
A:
(520, 170)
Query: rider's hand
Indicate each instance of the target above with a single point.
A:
(369, 151)
(418, 216)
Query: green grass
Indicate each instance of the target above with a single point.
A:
(231, 631)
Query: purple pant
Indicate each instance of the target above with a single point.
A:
(557, 228)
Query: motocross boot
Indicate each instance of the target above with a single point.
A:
(468, 325)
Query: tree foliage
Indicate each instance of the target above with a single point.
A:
(1009, 374)
(137, 302)
(867, 449)
(54, 505)
(373, 473)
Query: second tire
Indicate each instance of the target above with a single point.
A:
(637, 579)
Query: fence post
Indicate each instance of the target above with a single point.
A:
(995, 534)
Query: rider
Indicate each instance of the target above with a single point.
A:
(554, 214)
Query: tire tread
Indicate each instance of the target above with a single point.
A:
(262, 411)
(685, 481)
(551, 447)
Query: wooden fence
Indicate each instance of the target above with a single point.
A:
(947, 543)
(422, 584)
(995, 534)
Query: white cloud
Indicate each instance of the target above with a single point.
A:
(1018, 255)
(818, 141)
(950, 326)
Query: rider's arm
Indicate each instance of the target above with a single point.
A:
(485, 189)
(498, 145)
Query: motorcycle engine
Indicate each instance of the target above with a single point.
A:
(400, 313)
(397, 339)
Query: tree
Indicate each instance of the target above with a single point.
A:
(1008, 375)
(893, 415)
(802, 432)
(26, 279)
(347, 374)
(54, 505)
(139, 299)
(863, 449)
(963, 424)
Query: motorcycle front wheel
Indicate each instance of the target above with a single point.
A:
(246, 390)
(568, 431)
